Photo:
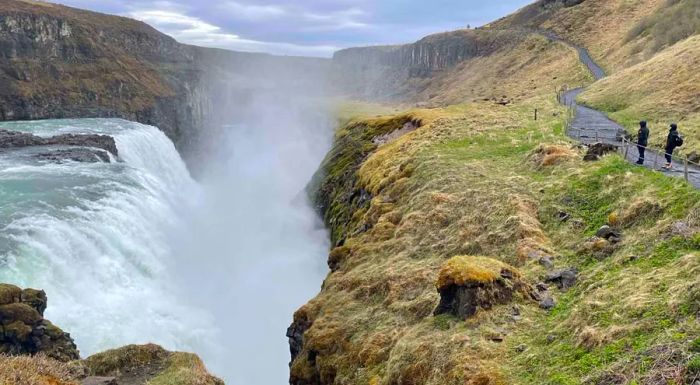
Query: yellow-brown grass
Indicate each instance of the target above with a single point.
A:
(661, 90)
(552, 155)
(532, 68)
(461, 270)
(602, 26)
(35, 370)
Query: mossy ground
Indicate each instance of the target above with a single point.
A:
(471, 181)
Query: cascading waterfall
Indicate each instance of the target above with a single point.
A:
(136, 251)
(94, 236)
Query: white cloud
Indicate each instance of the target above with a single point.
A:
(344, 19)
(191, 30)
(254, 12)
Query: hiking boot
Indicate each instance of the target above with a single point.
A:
(667, 167)
(640, 162)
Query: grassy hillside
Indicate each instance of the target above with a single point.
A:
(482, 180)
(605, 27)
(662, 90)
(532, 67)
(455, 67)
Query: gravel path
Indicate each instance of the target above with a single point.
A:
(591, 126)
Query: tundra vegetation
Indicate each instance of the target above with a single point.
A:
(481, 183)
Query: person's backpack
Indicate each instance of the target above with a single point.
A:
(679, 140)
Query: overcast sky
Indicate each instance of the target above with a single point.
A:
(308, 27)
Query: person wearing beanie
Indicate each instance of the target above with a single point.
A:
(673, 141)
(642, 141)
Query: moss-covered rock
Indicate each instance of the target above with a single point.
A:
(23, 329)
(141, 364)
(335, 189)
(468, 283)
(9, 294)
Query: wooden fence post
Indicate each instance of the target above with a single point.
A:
(535, 114)
(686, 168)
(627, 148)
(656, 159)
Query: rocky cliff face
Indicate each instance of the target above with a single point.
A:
(398, 72)
(60, 62)
(23, 329)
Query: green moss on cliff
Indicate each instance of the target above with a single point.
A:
(473, 181)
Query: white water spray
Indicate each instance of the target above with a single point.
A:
(137, 252)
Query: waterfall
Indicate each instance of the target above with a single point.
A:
(95, 236)
(136, 251)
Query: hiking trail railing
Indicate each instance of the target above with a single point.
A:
(624, 145)
(628, 145)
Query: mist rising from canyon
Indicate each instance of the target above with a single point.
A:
(252, 249)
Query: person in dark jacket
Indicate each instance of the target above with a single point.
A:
(673, 140)
(642, 140)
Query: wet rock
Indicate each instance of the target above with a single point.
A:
(542, 287)
(84, 155)
(694, 157)
(13, 139)
(564, 279)
(598, 150)
(296, 331)
(468, 284)
(25, 331)
(547, 303)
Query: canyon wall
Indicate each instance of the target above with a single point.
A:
(61, 62)
(402, 72)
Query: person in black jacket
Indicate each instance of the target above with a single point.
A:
(642, 140)
(673, 140)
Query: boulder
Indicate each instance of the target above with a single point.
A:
(598, 150)
(608, 233)
(468, 284)
(547, 303)
(564, 279)
(23, 329)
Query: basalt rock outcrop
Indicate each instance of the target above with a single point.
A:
(395, 72)
(23, 329)
(84, 148)
(468, 284)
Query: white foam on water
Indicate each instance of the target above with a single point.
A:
(95, 237)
